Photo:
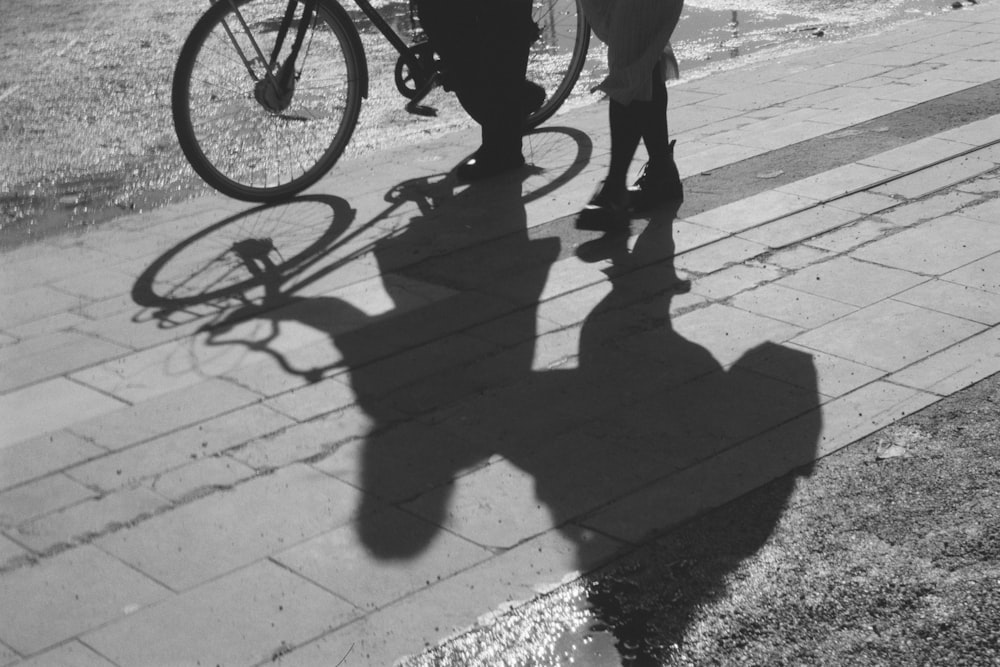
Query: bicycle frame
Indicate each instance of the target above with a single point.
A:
(280, 78)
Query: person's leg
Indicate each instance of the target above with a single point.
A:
(655, 133)
(626, 130)
(660, 181)
(495, 97)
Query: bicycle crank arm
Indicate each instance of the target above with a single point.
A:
(415, 107)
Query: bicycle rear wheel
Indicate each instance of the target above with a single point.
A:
(251, 142)
(559, 54)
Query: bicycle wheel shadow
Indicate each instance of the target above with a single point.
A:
(456, 401)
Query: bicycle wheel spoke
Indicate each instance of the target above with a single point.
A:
(252, 138)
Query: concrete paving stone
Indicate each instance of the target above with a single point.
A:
(129, 466)
(983, 185)
(494, 506)
(987, 211)
(972, 69)
(848, 238)
(727, 332)
(184, 363)
(49, 406)
(10, 553)
(719, 255)
(493, 586)
(834, 376)
(889, 335)
(775, 92)
(865, 203)
(381, 558)
(689, 236)
(705, 161)
(920, 152)
(121, 321)
(935, 247)
(799, 226)
(983, 274)
(752, 211)
(920, 88)
(738, 470)
(57, 323)
(951, 42)
(247, 617)
(301, 442)
(710, 483)
(21, 306)
(274, 376)
(50, 355)
(42, 455)
(68, 594)
(40, 497)
(401, 461)
(97, 284)
(797, 257)
(734, 280)
(7, 655)
(162, 414)
(230, 529)
(90, 517)
(928, 65)
(837, 182)
(200, 478)
(954, 299)
(864, 109)
(71, 654)
(976, 132)
(840, 73)
(850, 281)
(567, 309)
(955, 368)
(890, 59)
(314, 400)
(933, 179)
(792, 306)
(933, 207)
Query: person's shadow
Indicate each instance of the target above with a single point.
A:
(450, 384)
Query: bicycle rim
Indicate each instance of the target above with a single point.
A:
(238, 144)
(559, 54)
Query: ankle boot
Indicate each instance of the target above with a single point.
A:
(659, 182)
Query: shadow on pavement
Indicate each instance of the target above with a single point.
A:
(452, 389)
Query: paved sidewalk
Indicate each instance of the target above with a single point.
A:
(454, 399)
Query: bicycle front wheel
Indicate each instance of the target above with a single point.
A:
(559, 54)
(246, 134)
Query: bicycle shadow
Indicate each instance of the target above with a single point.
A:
(452, 391)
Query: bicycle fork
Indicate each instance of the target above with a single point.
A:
(273, 91)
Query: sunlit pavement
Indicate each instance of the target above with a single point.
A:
(451, 399)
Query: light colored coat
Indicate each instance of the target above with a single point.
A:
(637, 33)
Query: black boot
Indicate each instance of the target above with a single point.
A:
(658, 183)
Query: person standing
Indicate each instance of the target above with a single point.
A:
(484, 45)
(637, 33)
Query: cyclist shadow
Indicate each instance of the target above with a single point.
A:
(450, 387)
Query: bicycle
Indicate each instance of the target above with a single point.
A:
(267, 93)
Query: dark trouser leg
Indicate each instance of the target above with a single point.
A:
(624, 123)
(655, 132)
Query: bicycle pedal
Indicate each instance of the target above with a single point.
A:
(421, 110)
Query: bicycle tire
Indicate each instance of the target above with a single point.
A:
(229, 136)
(552, 63)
